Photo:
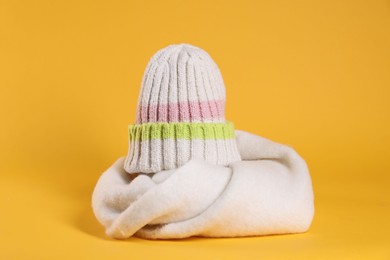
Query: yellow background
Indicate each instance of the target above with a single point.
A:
(311, 74)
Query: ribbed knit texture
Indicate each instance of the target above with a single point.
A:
(180, 113)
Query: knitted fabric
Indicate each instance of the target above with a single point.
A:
(180, 113)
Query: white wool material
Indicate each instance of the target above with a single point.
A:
(181, 73)
(172, 153)
(269, 192)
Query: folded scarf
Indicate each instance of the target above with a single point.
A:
(268, 192)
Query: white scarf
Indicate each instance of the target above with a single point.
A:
(269, 192)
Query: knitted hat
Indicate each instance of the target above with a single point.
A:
(180, 113)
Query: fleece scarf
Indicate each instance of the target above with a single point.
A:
(268, 192)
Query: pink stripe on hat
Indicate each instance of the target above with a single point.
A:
(186, 111)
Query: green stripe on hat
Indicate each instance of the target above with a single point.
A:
(186, 131)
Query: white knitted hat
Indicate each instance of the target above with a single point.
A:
(180, 113)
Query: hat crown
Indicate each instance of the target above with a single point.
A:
(181, 83)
